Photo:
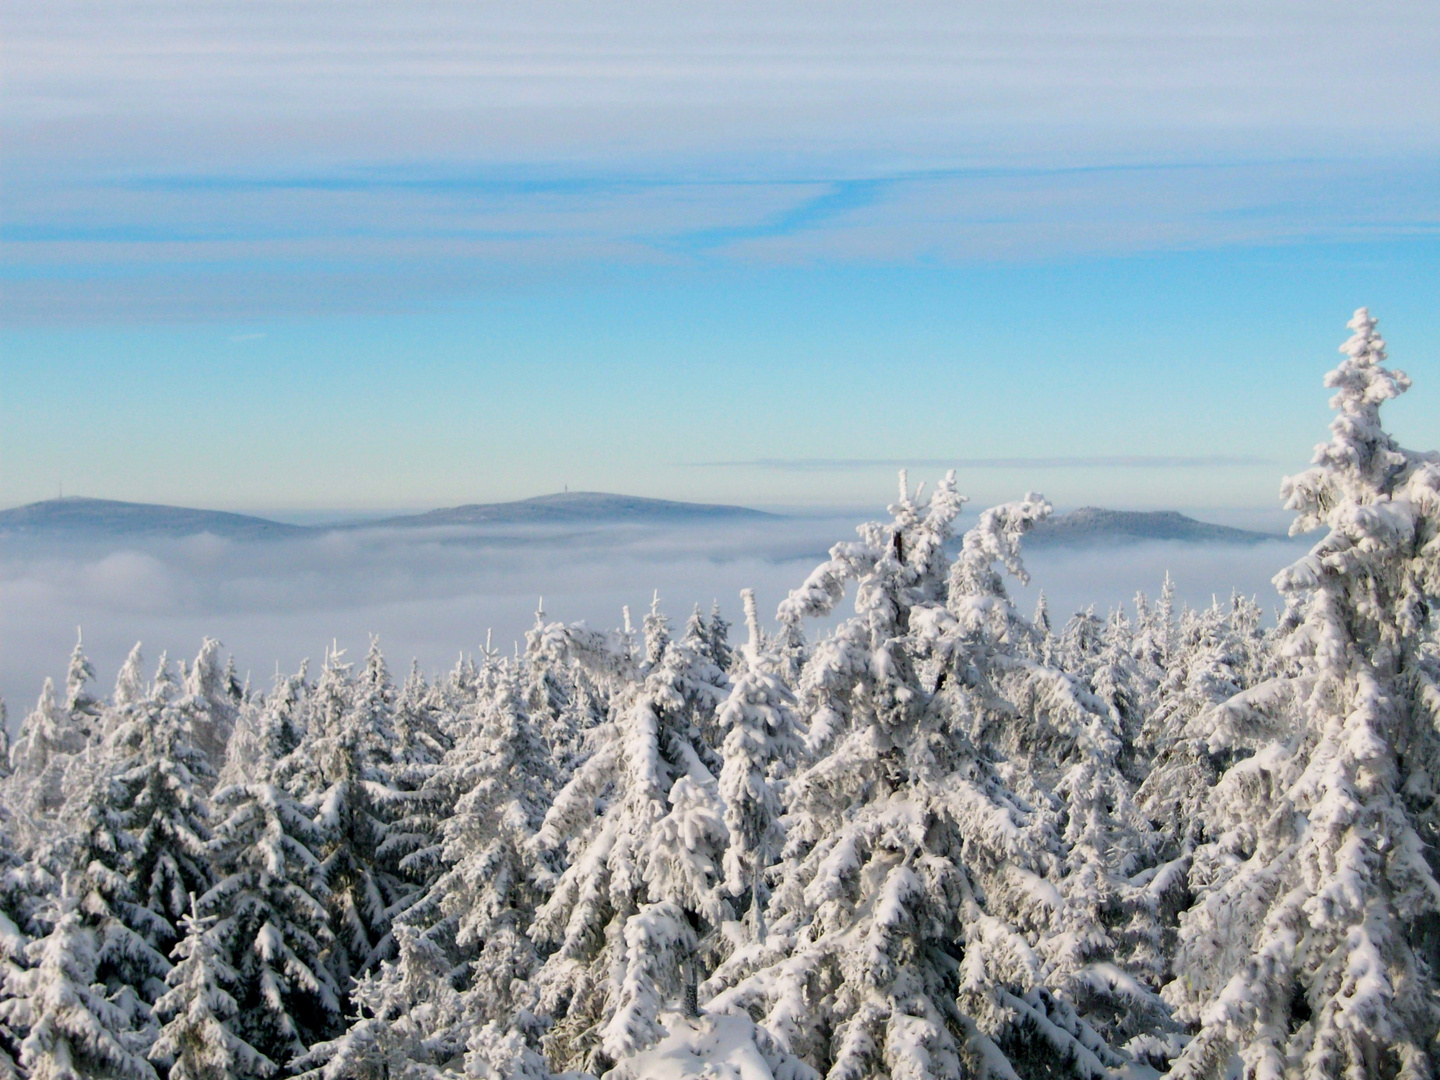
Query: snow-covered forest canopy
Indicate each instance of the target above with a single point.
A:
(937, 838)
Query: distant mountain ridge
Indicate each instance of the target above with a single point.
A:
(571, 508)
(78, 517)
(1093, 525)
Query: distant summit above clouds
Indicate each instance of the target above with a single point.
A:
(575, 507)
(1091, 525)
(81, 518)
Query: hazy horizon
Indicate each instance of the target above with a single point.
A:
(430, 594)
(1274, 518)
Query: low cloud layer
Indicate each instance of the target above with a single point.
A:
(433, 595)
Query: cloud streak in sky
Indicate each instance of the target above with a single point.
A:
(200, 161)
(1123, 461)
(91, 248)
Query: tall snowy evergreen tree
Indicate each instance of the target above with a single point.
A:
(75, 1030)
(160, 797)
(130, 688)
(209, 708)
(496, 884)
(1307, 953)
(467, 959)
(95, 854)
(349, 750)
(1211, 663)
(47, 742)
(272, 928)
(642, 823)
(763, 737)
(898, 939)
(409, 1017)
(82, 706)
(198, 1041)
(717, 636)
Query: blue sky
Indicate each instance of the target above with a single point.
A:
(281, 256)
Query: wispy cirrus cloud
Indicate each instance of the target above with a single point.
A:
(199, 161)
(168, 245)
(1120, 461)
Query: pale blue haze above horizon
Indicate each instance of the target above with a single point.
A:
(273, 256)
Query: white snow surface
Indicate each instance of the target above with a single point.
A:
(706, 1047)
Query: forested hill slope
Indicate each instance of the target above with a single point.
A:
(1092, 525)
(81, 518)
(577, 506)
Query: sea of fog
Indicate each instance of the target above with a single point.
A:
(434, 594)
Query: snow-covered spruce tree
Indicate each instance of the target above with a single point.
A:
(642, 825)
(82, 706)
(763, 739)
(206, 700)
(25, 893)
(47, 741)
(1080, 644)
(1156, 632)
(908, 858)
(132, 836)
(564, 723)
(342, 770)
(268, 736)
(1042, 639)
(495, 884)
(557, 707)
(75, 1030)
(656, 631)
(604, 664)
(418, 834)
(895, 565)
(92, 848)
(159, 789)
(408, 1018)
(417, 814)
(469, 931)
(416, 805)
(1214, 657)
(420, 737)
(706, 671)
(1063, 748)
(1060, 746)
(717, 636)
(272, 927)
(130, 689)
(198, 1041)
(1125, 682)
(1307, 953)
(94, 853)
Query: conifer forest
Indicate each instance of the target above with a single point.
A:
(897, 829)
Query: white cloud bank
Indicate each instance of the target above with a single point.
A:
(431, 595)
